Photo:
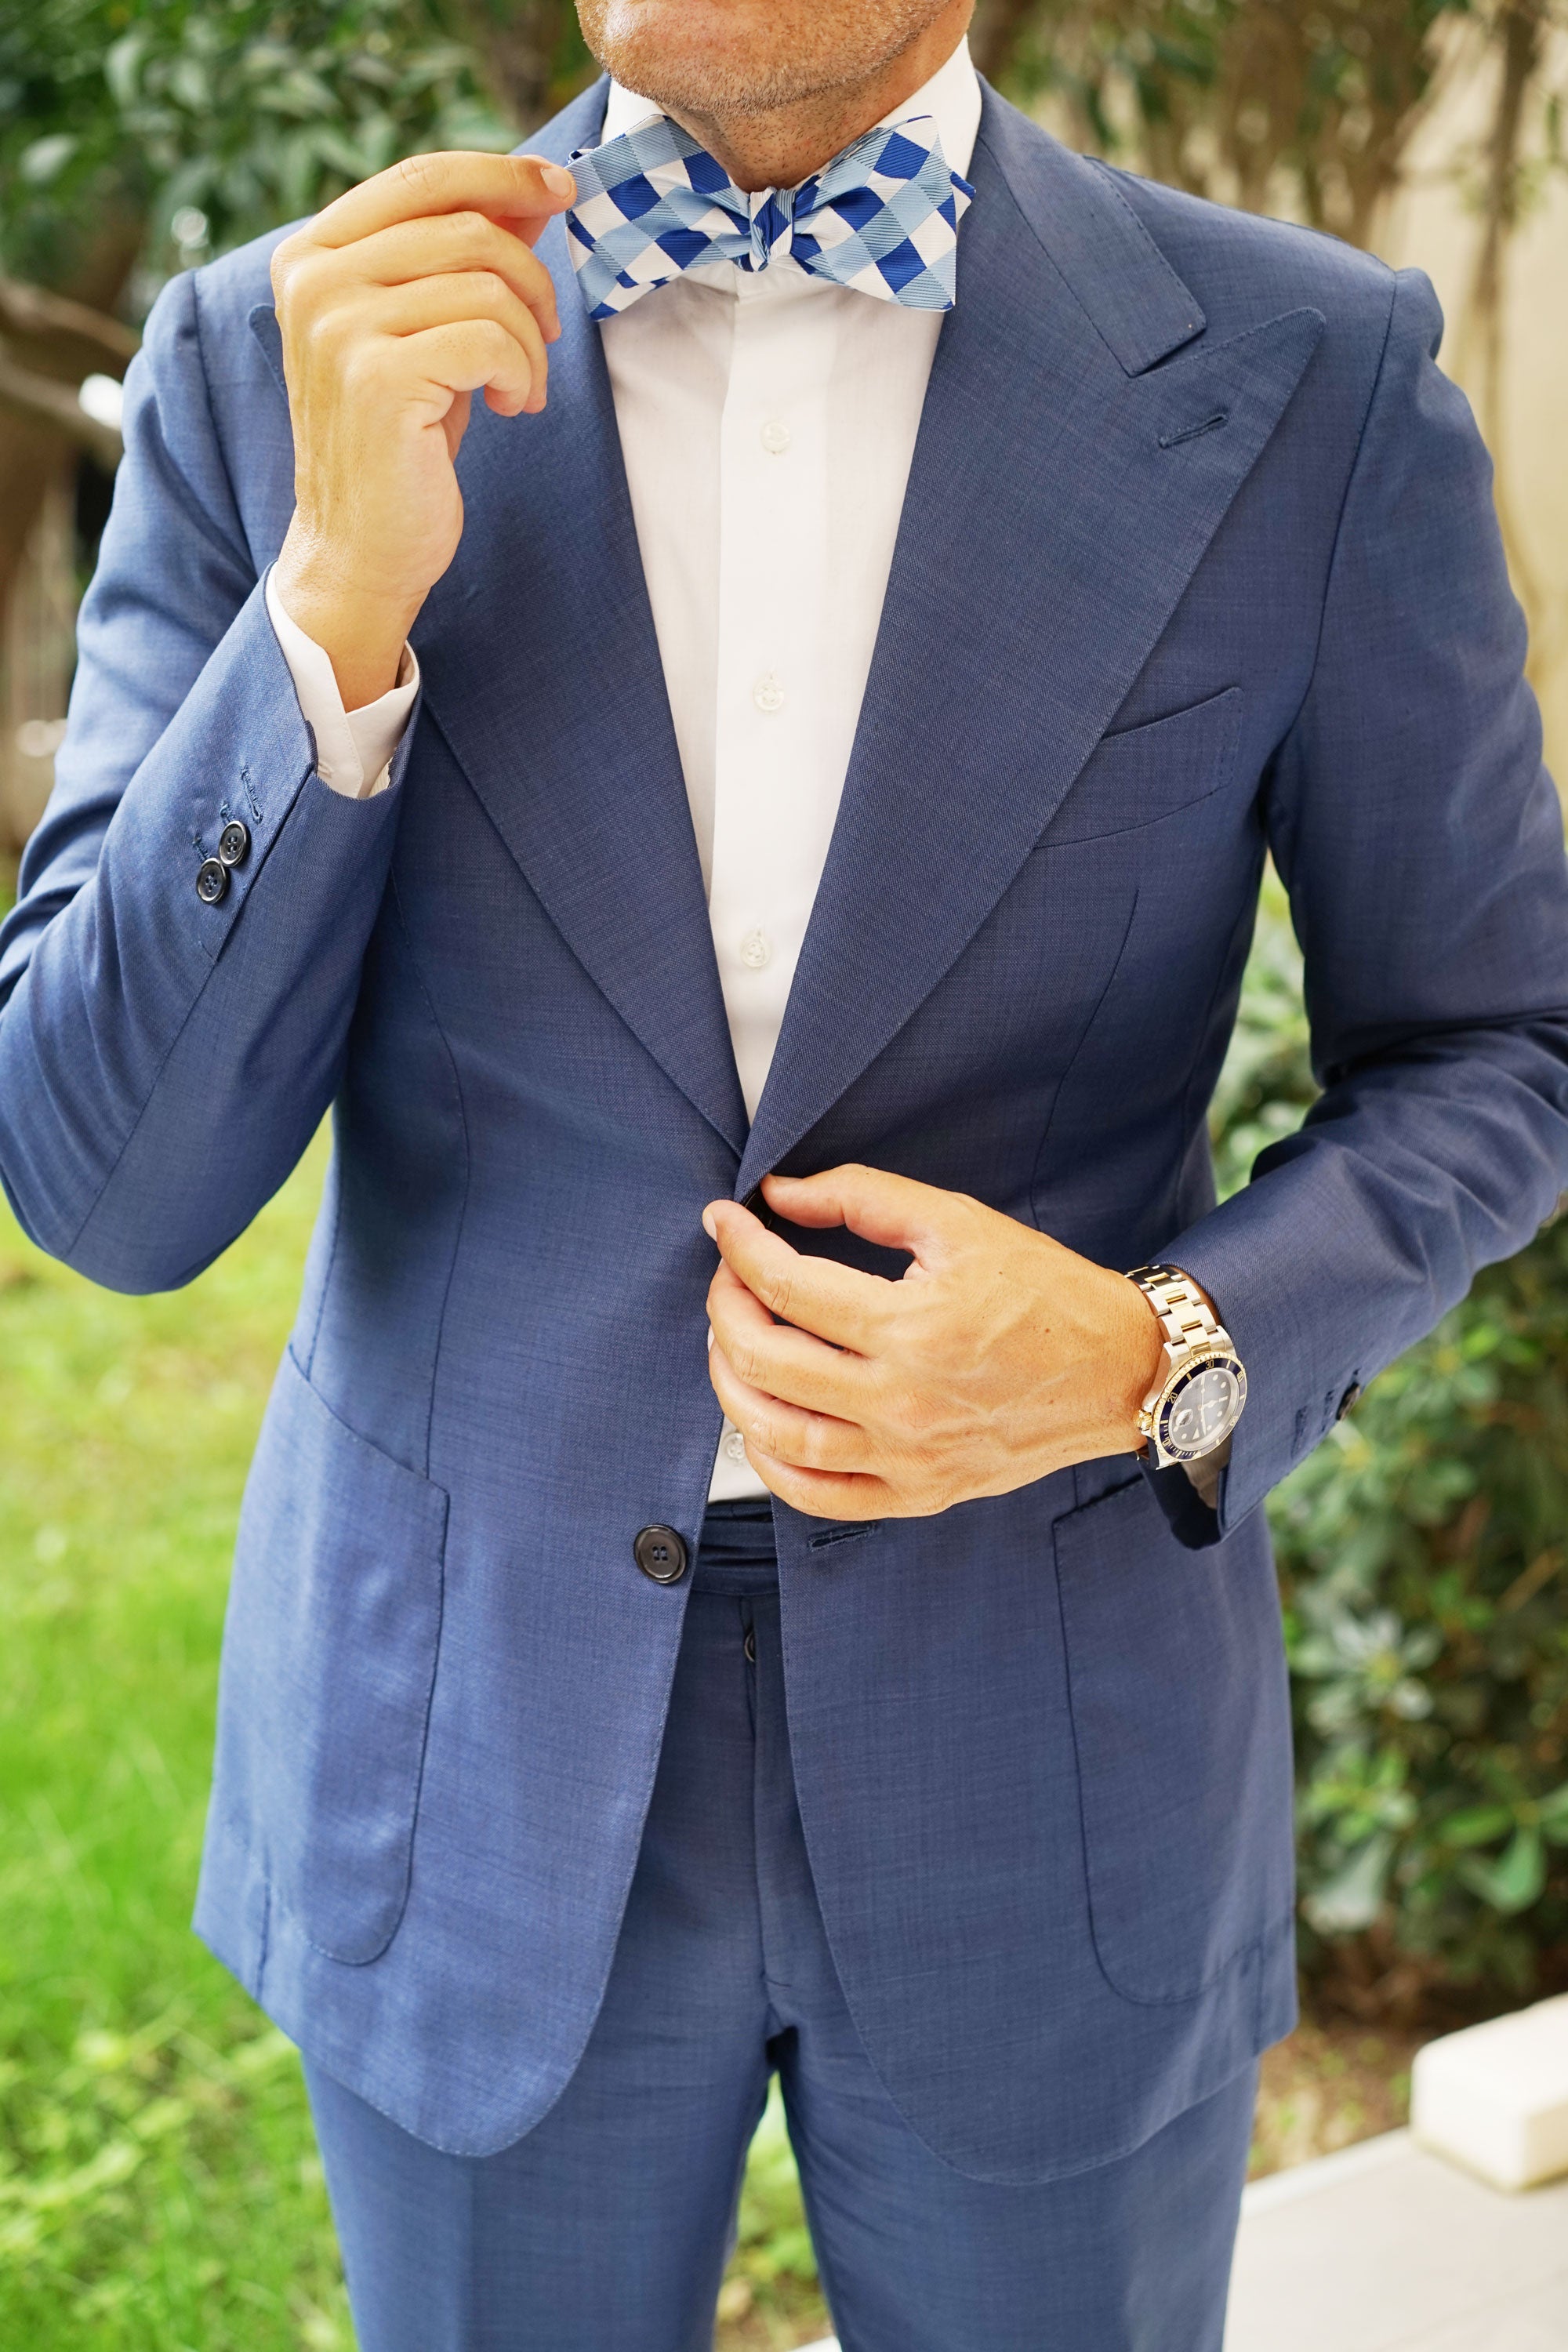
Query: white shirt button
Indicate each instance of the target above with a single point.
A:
(775, 436)
(768, 694)
(755, 950)
(735, 1447)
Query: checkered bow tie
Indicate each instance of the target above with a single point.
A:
(881, 217)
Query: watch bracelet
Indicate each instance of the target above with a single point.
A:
(1191, 1330)
(1181, 1311)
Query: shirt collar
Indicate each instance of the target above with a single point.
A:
(952, 96)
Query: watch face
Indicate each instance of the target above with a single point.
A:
(1204, 1409)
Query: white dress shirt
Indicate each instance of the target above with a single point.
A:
(767, 421)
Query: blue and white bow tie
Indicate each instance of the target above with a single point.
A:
(881, 217)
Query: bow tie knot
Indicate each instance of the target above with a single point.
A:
(881, 217)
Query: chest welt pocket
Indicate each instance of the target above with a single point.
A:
(1181, 1720)
(330, 1649)
(1143, 773)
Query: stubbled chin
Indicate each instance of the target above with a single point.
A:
(709, 85)
(713, 57)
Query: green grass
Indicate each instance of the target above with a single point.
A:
(159, 2187)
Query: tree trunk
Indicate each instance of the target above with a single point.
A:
(36, 658)
(523, 45)
(998, 27)
(33, 454)
(1520, 35)
(1521, 32)
(50, 340)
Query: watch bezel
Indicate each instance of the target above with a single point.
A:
(1201, 1359)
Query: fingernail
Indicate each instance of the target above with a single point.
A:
(560, 182)
(709, 1226)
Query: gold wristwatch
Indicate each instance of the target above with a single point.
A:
(1197, 1403)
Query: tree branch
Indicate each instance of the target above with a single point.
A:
(31, 311)
(48, 402)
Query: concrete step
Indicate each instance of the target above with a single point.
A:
(1495, 2097)
(1386, 2248)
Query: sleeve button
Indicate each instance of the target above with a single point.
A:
(234, 843)
(212, 881)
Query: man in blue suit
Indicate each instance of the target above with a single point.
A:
(858, 656)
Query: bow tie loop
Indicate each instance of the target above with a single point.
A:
(882, 217)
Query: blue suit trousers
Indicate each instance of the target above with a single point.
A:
(607, 2228)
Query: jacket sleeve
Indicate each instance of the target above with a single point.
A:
(162, 1062)
(1421, 841)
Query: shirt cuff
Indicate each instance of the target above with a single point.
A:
(351, 745)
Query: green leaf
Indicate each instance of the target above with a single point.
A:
(1476, 1826)
(122, 65)
(1351, 1899)
(190, 84)
(46, 159)
(1553, 1811)
(1515, 1881)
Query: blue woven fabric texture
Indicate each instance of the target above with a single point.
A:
(607, 2228)
(1199, 563)
(881, 217)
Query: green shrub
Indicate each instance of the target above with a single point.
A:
(771, 2241)
(1422, 1554)
(244, 113)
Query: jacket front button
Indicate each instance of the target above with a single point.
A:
(660, 1553)
(234, 843)
(212, 881)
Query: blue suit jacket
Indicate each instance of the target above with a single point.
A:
(1198, 559)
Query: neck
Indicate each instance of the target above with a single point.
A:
(780, 147)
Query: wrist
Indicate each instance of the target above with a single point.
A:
(1144, 1362)
(361, 630)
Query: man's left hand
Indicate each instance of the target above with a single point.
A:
(999, 1356)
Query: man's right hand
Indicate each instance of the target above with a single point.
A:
(396, 304)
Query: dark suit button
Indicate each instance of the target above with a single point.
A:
(1350, 1400)
(660, 1553)
(234, 843)
(212, 881)
(756, 1202)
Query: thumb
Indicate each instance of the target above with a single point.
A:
(893, 1210)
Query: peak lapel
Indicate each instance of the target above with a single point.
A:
(1059, 503)
(542, 670)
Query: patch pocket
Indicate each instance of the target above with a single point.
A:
(1143, 773)
(334, 1621)
(1181, 1718)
